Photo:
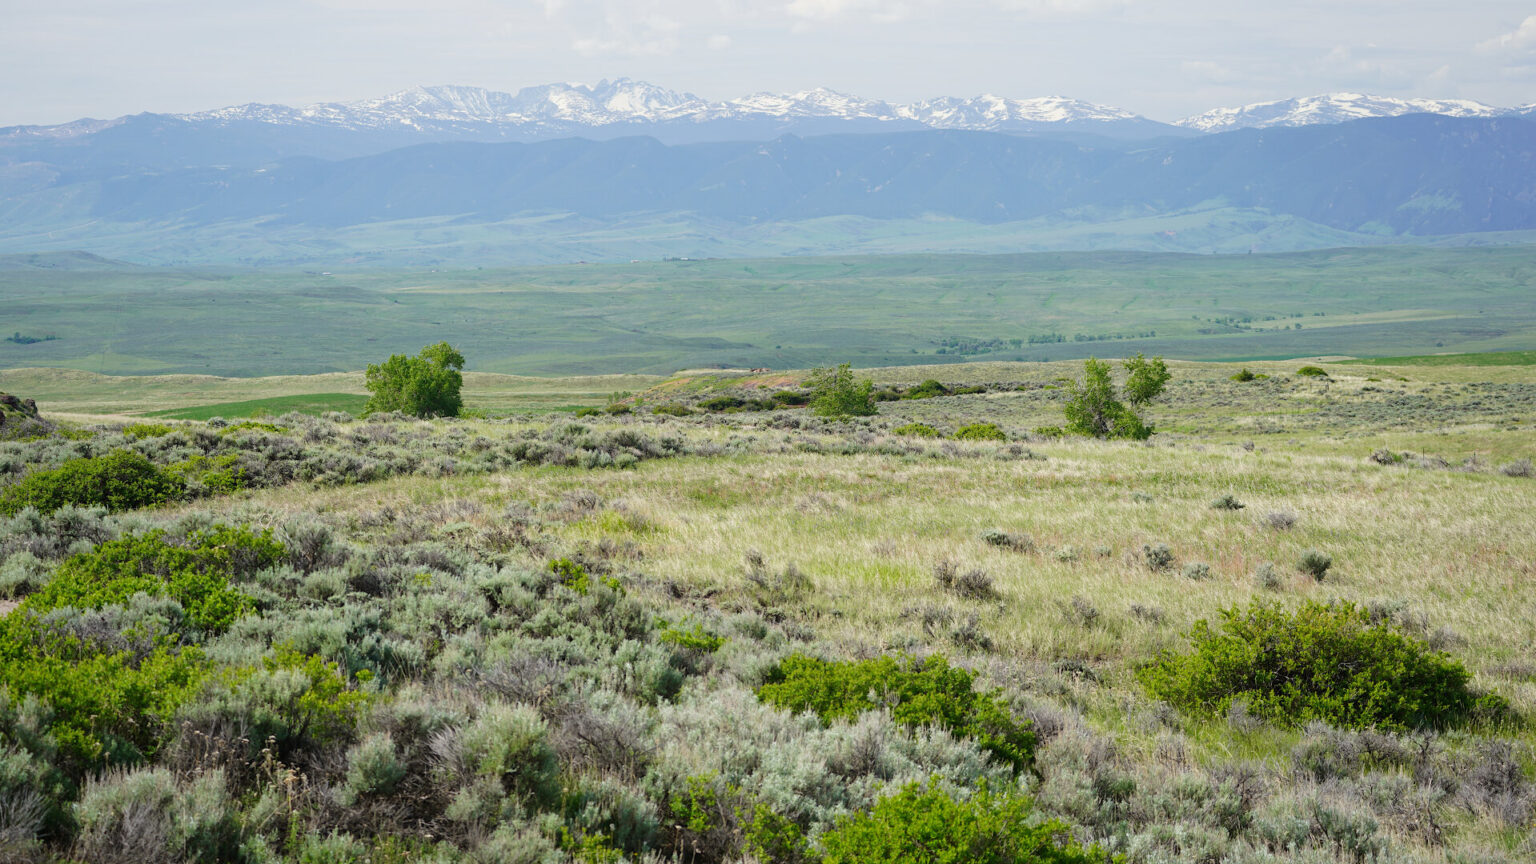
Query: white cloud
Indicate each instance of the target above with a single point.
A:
(1519, 41)
(718, 42)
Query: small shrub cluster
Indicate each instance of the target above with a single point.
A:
(973, 584)
(980, 432)
(1315, 564)
(1008, 540)
(1322, 662)
(919, 825)
(121, 480)
(916, 692)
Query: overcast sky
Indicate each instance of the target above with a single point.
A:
(65, 59)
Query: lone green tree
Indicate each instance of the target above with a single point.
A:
(1093, 407)
(835, 393)
(426, 385)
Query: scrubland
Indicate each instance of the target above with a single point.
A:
(755, 635)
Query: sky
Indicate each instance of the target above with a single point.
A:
(66, 59)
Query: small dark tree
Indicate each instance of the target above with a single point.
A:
(426, 385)
(835, 393)
(1093, 407)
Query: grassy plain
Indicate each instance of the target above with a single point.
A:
(656, 317)
(1409, 477)
(1439, 542)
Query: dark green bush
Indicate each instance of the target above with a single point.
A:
(927, 826)
(121, 480)
(671, 409)
(1322, 662)
(791, 398)
(1315, 564)
(980, 432)
(195, 575)
(917, 430)
(1243, 375)
(1312, 372)
(926, 390)
(917, 692)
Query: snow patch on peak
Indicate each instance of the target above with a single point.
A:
(1330, 108)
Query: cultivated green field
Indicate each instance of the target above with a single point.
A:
(656, 317)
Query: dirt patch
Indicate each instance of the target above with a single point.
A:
(8, 606)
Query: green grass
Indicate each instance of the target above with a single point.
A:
(792, 312)
(309, 403)
(1489, 358)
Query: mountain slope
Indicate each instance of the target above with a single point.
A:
(1413, 175)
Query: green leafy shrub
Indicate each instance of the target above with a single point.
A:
(1093, 409)
(1227, 502)
(921, 825)
(1312, 372)
(980, 432)
(1243, 375)
(220, 474)
(113, 705)
(917, 692)
(1321, 662)
(426, 385)
(293, 699)
(917, 430)
(121, 480)
(108, 708)
(694, 638)
(671, 409)
(195, 575)
(791, 398)
(140, 431)
(835, 393)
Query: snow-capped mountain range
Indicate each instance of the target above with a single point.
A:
(625, 101)
(1337, 108)
(624, 106)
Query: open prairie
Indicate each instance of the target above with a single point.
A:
(622, 593)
